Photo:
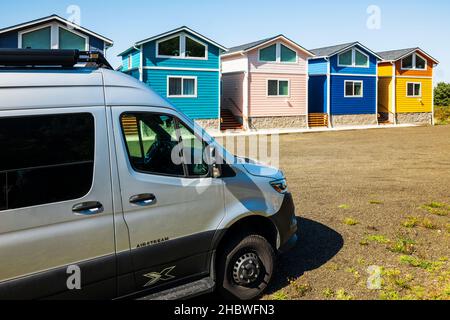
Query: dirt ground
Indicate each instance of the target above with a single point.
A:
(368, 198)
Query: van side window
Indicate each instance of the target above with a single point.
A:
(45, 159)
(151, 140)
(193, 152)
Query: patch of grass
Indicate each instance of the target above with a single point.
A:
(428, 224)
(442, 115)
(364, 242)
(351, 221)
(390, 295)
(344, 206)
(353, 271)
(378, 238)
(301, 288)
(341, 294)
(437, 208)
(447, 226)
(280, 295)
(411, 222)
(328, 293)
(421, 263)
(403, 245)
(375, 202)
(333, 266)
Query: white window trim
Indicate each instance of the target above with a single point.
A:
(54, 35)
(130, 61)
(182, 55)
(354, 81)
(414, 83)
(182, 86)
(278, 88)
(278, 54)
(353, 65)
(414, 67)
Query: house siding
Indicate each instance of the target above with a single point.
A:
(385, 94)
(414, 105)
(205, 106)
(260, 105)
(318, 94)
(371, 70)
(213, 61)
(272, 67)
(236, 63)
(340, 105)
(318, 66)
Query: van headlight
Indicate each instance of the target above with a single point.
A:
(280, 186)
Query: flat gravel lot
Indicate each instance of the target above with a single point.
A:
(368, 198)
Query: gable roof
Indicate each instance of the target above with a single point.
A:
(394, 55)
(55, 17)
(333, 50)
(253, 45)
(180, 29)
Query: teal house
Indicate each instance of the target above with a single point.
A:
(184, 67)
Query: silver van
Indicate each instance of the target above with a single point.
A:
(93, 205)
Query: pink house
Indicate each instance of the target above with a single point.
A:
(265, 85)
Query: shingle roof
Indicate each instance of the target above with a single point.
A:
(394, 55)
(244, 47)
(330, 51)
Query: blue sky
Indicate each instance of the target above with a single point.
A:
(312, 24)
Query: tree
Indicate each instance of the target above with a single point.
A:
(442, 94)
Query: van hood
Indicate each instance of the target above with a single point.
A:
(257, 169)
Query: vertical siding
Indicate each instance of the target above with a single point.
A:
(406, 104)
(260, 105)
(213, 61)
(340, 105)
(273, 67)
(372, 69)
(9, 40)
(385, 95)
(317, 99)
(233, 95)
(95, 44)
(318, 66)
(205, 106)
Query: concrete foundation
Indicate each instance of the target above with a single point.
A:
(353, 119)
(277, 122)
(208, 124)
(419, 118)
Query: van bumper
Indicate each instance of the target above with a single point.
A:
(286, 222)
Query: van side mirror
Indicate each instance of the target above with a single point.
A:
(215, 169)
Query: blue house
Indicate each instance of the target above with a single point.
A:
(52, 32)
(182, 66)
(342, 86)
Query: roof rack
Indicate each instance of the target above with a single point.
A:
(52, 58)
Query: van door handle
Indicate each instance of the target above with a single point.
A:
(88, 208)
(143, 200)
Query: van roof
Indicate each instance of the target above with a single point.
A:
(37, 88)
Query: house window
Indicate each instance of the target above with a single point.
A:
(169, 48)
(414, 89)
(353, 89)
(278, 88)
(268, 54)
(181, 46)
(353, 58)
(278, 53)
(182, 87)
(69, 40)
(194, 49)
(414, 62)
(39, 39)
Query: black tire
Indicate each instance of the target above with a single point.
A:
(230, 257)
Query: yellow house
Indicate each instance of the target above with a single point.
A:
(405, 86)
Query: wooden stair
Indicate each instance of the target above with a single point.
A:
(130, 126)
(318, 120)
(228, 121)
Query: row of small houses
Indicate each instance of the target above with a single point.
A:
(271, 83)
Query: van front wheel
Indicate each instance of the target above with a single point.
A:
(245, 268)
